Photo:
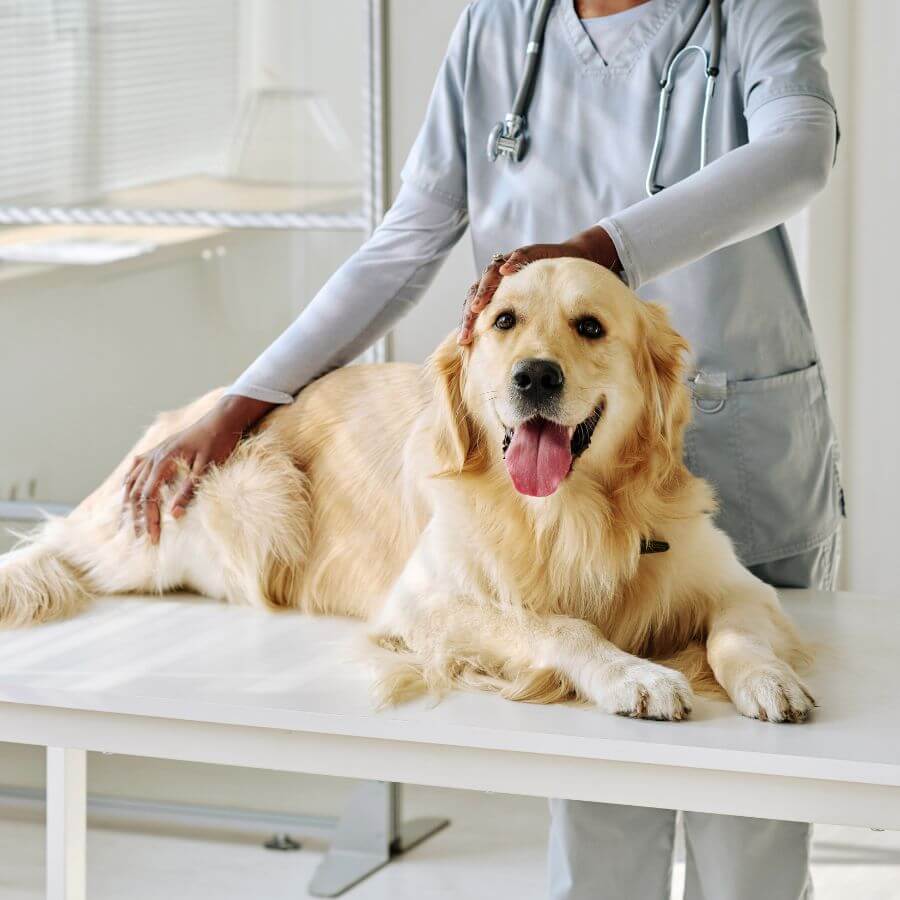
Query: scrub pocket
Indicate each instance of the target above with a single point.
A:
(768, 447)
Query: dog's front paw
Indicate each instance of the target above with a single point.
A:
(773, 693)
(643, 690)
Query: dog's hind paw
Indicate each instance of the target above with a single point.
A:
(773, 693)
(643, 690)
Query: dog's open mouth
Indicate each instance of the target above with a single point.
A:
(539, 453)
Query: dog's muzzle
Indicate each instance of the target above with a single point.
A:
(537, 386)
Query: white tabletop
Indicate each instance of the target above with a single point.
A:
(202, 662)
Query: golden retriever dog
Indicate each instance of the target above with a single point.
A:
(489, 515)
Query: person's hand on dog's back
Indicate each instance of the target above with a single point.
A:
(594, 244)
(208, 442)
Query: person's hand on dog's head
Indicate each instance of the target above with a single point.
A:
(594, 244)
(479, 295)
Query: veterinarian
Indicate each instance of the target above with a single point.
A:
(710, 245)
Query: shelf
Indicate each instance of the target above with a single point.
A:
(166, 240)
(209, 201)
(231, 194)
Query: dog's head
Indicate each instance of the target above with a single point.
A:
(569, 371)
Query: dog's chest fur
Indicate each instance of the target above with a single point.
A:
(549, 560)
(572, 556)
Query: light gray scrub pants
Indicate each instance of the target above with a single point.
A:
(600, 851)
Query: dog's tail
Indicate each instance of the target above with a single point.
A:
(37, 584)
(399, 674)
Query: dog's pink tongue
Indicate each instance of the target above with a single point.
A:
(539, 456)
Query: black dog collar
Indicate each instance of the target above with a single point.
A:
(649, 545)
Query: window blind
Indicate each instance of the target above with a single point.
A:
(222, 113)
(101, 95)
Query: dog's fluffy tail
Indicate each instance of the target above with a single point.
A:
(37, 585)
(399, 674)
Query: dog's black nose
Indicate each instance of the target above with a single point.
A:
(538, 380)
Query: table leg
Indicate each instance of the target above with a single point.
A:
(369, 834)
(66, 823)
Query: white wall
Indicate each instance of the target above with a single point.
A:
(821, 233)
(846, 248)
(821, 236)
(873, 323)
(88, 356)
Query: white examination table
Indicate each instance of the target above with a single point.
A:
(209, 683)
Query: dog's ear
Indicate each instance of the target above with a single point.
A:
(662, 365)
(456, 442)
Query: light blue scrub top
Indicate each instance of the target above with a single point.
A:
(762, 432)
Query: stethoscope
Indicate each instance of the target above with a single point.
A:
(510, 137)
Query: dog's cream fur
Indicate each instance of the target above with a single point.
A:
(381, 493)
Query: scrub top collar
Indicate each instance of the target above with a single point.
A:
(622, 62)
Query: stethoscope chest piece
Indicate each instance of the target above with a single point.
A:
(508, 138)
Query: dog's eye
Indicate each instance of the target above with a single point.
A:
(505, 321)
(590, 328)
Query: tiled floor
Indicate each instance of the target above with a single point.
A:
(494, 850)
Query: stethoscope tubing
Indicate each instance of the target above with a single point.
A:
(652, 186)
(511, 132)
(533, 53)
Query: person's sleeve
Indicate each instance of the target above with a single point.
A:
(779, 46)
(362, 300)
(437, 161)
(745, 192)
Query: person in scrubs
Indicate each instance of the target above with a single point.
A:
(711, 246)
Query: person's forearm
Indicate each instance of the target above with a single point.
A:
(739, 195)
(361, 301)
